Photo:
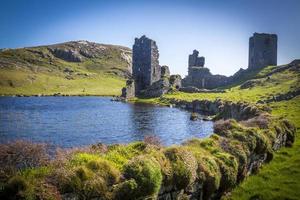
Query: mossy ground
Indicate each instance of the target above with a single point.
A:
(279, 179)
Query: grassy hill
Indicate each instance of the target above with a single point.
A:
(77, 67)
(279, 179)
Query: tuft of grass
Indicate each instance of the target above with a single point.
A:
(147, 174)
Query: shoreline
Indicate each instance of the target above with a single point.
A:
(56, 95)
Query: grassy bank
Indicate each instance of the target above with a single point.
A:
(47, 84)
(279, 179)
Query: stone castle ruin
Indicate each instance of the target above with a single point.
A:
(200, 76)
(149, 79)
(145, 64)
(262, 52)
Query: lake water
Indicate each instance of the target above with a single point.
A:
(78, 121)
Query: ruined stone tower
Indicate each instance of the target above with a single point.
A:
(145, 65)
(195, 61)
(262, 50)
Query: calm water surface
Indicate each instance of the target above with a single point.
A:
(77, 121)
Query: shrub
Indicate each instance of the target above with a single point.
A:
(262, 121)
(152, 140)
(83, 158)
(83, 173)
(126, 190)
(209, 166)
(47, 191)
(165, 165)
(84, 183)
(15, 188)
(119, 155)
(147, 174)
(21, 154)
(229, 170)
(223, 127)
(184, 166)
(105, 169)
(290, 130)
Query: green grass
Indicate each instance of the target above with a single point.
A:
(32, 71)
(279, 179)
(47, 84)
(278, 83)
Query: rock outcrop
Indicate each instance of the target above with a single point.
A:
(129, 90)
(175, 81)
(67, 54)
(165, 71)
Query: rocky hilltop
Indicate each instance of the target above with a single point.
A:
(49, 69)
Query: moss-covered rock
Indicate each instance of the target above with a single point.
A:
(126, 190)
(146, 172)
(106, 170)
(184, 166)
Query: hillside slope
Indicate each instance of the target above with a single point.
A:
(76, 67)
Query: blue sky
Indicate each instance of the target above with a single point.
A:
(220, 30)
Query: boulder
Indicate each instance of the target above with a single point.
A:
(128, 91)
(189, 89)
(251, 83)
(157, 89)
(175, 81)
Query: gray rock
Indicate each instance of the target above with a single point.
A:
(165, 71)
(189, 89)
(175, 81)
(67, 54)
(129, 91)
(157, 89)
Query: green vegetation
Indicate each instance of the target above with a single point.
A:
(35, 70)
(139, 170)
(279, 179)
(278, 83)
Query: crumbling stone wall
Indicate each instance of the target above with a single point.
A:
(195, 60)
(200, 76)
(262, 50)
